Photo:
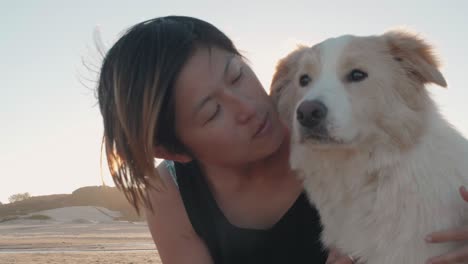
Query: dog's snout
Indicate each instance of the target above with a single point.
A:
(311, 113)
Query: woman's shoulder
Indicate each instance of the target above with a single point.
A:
(164, 196)
(169, 224)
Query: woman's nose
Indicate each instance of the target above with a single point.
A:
(245, 110)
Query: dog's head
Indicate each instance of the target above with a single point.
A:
(350, 90)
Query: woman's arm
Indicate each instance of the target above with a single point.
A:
(170, 227)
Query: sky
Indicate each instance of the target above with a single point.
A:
(51, 128)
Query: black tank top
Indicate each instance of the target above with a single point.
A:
(293, 239)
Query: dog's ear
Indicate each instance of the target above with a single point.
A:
(282, 80)
(416, 56)
(285, 70)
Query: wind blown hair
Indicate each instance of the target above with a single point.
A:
(136, 99)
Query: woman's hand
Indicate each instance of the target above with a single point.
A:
(335, 257)
(453, 235)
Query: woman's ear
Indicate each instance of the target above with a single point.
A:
(161, 152)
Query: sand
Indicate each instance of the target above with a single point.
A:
(81, 258)
(65, 240)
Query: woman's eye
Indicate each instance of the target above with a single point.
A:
(238, 76)
(214, 114)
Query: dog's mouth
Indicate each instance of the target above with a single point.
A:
(318, 135)
(320, 139)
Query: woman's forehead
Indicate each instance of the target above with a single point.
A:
(204, 65)
(202, 73)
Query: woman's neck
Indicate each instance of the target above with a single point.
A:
(235, 179)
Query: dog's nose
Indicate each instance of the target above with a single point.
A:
(311, 113)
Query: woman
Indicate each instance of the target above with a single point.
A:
(176, 88)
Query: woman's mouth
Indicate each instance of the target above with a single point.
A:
(264, 126)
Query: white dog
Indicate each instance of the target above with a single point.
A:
(378, 160)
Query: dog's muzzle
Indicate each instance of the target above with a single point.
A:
(311, 113)
(311, 116)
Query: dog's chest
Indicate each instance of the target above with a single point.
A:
(373, 214)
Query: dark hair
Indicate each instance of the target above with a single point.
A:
(135, 94)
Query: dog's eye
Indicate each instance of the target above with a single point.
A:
(356, 75)
(304, 80)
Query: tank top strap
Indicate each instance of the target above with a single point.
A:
(170, 166)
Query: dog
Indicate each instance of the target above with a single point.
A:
(376, 157)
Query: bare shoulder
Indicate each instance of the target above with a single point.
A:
(170, 226)
(168, 193)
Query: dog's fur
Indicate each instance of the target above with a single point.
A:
(385, 170)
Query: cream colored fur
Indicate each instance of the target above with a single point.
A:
(390, 173)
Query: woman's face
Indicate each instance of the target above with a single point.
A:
(223, 114)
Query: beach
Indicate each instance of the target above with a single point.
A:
(80, 241)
